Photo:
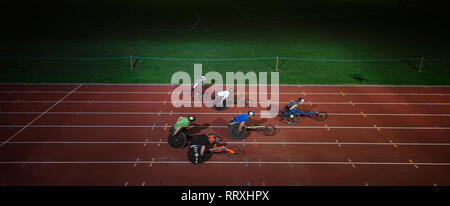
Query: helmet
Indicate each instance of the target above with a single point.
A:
(301, 100)
(203, 77)
(191, 118)
(251, 113)
(212, 138)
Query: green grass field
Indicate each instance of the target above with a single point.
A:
(230, 29)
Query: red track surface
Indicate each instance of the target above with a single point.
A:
(117, 134)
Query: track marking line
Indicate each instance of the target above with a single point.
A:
(159, 143)
(256, 145)
(421, 115)
(42, 114)
(165, 126)
(153, 127)
(297, 184)
(339, 145)
(145, 144)
(282, 140)
(259, 162)
(342, 93)
(170, 113)
(246, 164)
(143, 183)
(151, 163)
(415, 165)
(243, 142)
(227, 162)
(326, 127)
(378, 129)
(137, 161)
(434, 184)
(353, 104)
(263, 183)
(24, 164)
(395, 145)
(366, 184)
(126, 184)
(364, 115)
(290, 164)
(222, 126)
(353, 165)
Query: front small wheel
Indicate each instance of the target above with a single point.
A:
(320, 116)
(270, 130)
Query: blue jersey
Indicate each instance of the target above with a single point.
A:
(241, 118)
(292, 103)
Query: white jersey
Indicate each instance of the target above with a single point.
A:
(224, 94)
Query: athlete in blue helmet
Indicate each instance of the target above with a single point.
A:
(242, 119)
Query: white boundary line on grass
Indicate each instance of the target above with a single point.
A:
(29, 124)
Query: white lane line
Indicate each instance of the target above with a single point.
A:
(42, 114)
(215, 113)
(161, 102)
(212, 113)
(242, 143)
(226, 162)
(281, 85)
(290, 93)
(220, 126)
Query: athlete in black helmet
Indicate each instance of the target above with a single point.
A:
(292, 105)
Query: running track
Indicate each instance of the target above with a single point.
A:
(100, 134)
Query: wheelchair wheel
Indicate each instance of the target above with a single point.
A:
(237, 152)
(219, 107)
(195, 149)
(292, 119)
(320, 116)
(178, 141)
(233, 131)
(270, 130)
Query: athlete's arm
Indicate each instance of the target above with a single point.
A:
(241, 126)
(179, 128)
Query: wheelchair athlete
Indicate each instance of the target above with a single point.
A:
(242, 119)
(182, 124)
(198, 146)
(292, 105)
